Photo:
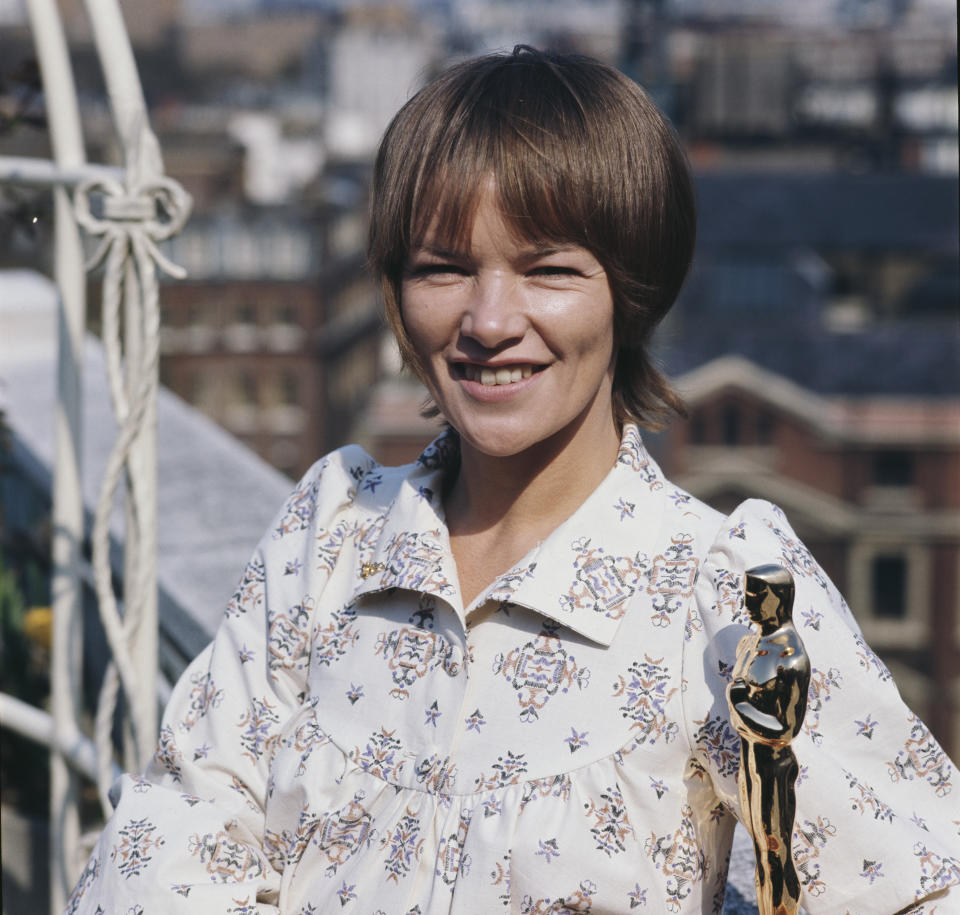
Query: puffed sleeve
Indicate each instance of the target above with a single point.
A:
(188, 836)
(877, 827)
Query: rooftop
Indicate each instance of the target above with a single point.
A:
(905, 359)
(912, 212)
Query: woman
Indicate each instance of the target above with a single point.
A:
(494, 680)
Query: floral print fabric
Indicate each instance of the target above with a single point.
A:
(357, 740)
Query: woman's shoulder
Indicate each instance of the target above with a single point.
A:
(352, 469)
(758, 532)
(346, 478)
(753, 531)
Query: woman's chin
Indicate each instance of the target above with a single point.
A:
(497, 445)
(512, 439)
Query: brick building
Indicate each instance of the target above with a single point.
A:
(871, 485)
(273, 335)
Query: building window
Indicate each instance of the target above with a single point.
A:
(200, 390)
(247, 388)
(246, 314)
(287, 314)
(731, 425)
(289, 389)
(889, 586)
(893, 468)
(194, 388)
(765, 425)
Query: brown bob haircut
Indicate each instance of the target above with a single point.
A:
(578, 154)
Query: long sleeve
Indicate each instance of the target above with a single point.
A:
(876, 828)
(188, 836)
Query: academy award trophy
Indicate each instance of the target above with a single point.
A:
(768, 697)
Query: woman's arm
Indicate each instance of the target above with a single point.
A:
(873, 831)
(188, 836)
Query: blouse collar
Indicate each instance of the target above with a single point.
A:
(583, 575)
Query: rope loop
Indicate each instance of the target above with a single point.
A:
(131, 222)
(135, 211)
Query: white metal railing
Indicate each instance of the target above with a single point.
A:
(140, 207)
(30, 172)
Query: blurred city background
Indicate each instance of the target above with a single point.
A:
(816, 340)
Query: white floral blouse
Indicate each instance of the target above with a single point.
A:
(357, 741)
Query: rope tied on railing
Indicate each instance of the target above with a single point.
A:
(133, 220)
(135, 211)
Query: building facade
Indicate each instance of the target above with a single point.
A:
(871, 485)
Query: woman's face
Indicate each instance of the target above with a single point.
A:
(515, 338)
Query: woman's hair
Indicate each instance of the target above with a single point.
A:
(578, 154)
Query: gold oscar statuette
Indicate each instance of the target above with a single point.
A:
(768, 697)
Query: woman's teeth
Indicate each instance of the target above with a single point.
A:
(496, 376)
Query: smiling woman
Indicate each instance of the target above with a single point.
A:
(494, 680)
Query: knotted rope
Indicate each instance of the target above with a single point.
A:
(131, 227)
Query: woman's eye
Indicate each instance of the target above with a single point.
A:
(438, 270)
(554, 270)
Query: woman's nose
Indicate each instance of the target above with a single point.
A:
(493, 315)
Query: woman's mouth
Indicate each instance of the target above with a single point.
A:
(505, 374)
